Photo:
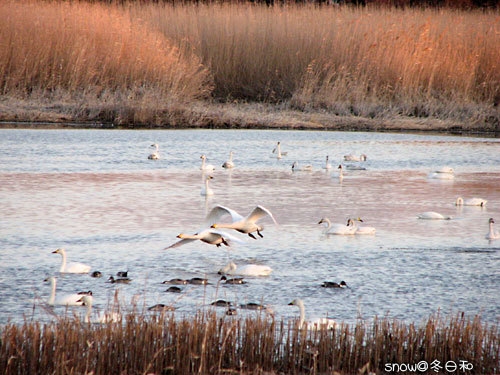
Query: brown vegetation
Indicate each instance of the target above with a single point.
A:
(207, 344)
(150, 63)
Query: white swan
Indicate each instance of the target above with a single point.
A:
(246, 270)
(305, 168)
(352, 157)
(328, 166)
(67, 300)
(431, 215)
(71, 267)
(338, 229)
(210, 236)
(314, 324)
(205, 190)
(363, 229)
(246, 225)
(107, 317)
(470, 202)
(278, 150)
(155, 155)
(229, 164)
(206, 167)
(492, 234)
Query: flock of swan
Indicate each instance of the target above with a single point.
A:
(213, 231)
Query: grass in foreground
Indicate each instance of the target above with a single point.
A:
(207, 344)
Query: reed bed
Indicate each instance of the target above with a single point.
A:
(210, 344)
(367, 62)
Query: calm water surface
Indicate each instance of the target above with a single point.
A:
(95, 193)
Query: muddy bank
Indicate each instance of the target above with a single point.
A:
(21, 114)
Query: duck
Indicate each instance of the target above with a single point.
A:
(206, 190)
(198, 281)
(221, 303)
(161, 307)
(277, 150)
(332, 284)
(470, 202)
(107, 317)
(231, 311)
(122, 280)
(328, 166)
(352, 157)
(246, 270)
(246, 225)
(175, 282)
(229, 164)
(96, 274)
(492, 234)
(236, 280)
(122, 274)
(314, 324)
(305, 168)
(174, 289)
(253, 306)
(431, 215)
(209, 236)
(73, 267)
(338, 229)
(155, 155)
(66, 300)
(206, 167)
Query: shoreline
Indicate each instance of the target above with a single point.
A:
(233, 116)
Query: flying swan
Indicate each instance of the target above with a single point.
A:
(210, 236)
(246, 225)
(71, 267)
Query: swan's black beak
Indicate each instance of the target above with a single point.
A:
(213, 226)
(291, 303)
(320, 222)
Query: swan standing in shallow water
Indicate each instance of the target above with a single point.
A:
(246, 225)
(492, 234)
(431, 215)
(206, 167)
(67, 300)
(278, 150)
(71, 267)
(107, 317)
(210, 236)
(205, 190)
(470, 202)
(338, 229)
(314, 324)
(155, 155)
(246, 270)
(229, 164)
(351, 157)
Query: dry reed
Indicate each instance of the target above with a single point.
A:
(208, 344)
(367, 62)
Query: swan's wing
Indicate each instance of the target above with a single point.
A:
(179, 243)
(219, 211)
(258, 212)
(226, 236)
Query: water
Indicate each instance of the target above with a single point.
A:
(95, 193)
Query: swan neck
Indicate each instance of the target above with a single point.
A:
(328, 224)
(52, 297)
(302, 317)
(459, 201)
(89, 311)
(63, 264)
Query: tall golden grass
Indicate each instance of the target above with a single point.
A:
(208, 344)
(370, 62)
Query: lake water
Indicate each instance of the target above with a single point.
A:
(95, 193)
